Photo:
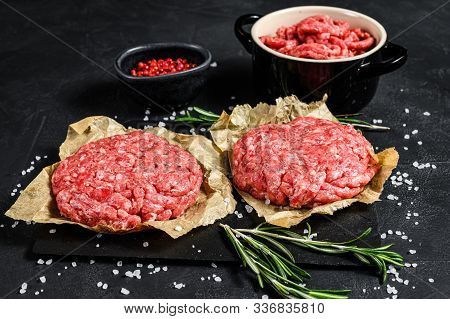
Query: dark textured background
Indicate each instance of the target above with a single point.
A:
(45, 85)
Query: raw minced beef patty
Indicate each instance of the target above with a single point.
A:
(124, 180)
(306, 162)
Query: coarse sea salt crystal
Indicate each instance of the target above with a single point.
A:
(406, 137)
(419, 142)
(383, 236)
(74, 264)
(213, 64)
(49, 262)
(406, 110)
(217, 279)
(248, 208)
(415, 132)
(115, 272)
(431, 280)
(124, 291)
(426, 113)
(43, 279)
(412, 251)
(52, 231)
(99, 284)
(178, 228)
(145, 244)
(40, 262)
(105, 286)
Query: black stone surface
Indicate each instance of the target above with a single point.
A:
(56, 64)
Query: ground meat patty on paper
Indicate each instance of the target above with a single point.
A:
(307, 162)
(123, 180)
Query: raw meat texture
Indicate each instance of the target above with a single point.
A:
(320, 38)
(304, 163)
(124, 180)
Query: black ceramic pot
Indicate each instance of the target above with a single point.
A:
(171, 90)
(350, 83)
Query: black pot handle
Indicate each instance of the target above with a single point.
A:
(393, 56)
(243, 36)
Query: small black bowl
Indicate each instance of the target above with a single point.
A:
(170, 90)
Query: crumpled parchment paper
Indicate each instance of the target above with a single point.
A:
(215, 200)
(229, 128)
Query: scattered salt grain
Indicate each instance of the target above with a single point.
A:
(430, 279)
(412, 251)
(213, 64)
(426, 113)
(161, 124)
(74, 264)
(213, 265)
(115, 272)
(419, 142)
(178, 228)
(383, 236)
(138, 265)
(99, 284)
(43, 279)
(178, 285)
(119, 263)
(217, 279)
(49, 262)
(415, 132)
(124, 291)
(264, 297)
(165, 268)
(390, 232)
(145, 244)
(248, 208)
(414, 265)
(406, 110)
(406, 137)
(105, 286)
(40, 262)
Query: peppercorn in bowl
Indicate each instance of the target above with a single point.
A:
(165, 74)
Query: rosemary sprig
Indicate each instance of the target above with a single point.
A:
(349, 119)
(203, 116)
(273, 264)
(208, 117)
(379, 257)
